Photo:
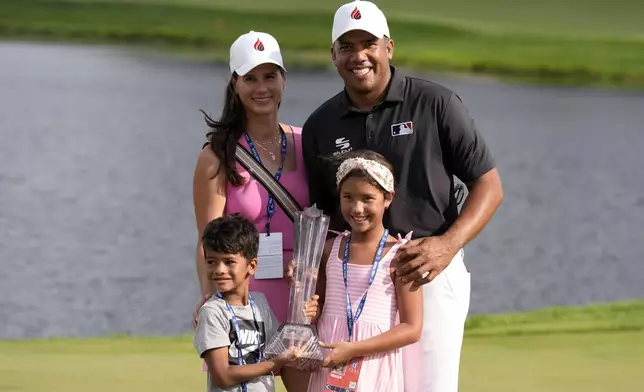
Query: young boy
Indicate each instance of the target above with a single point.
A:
(234, 326)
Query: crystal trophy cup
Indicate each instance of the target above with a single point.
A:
(310, 230)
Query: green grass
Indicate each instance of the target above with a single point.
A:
(619, 316)
(590, 362)
(600, 43)
(592, 349)
(593, 17)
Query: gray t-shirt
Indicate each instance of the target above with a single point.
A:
(215, 330)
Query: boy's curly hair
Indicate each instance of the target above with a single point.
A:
(231, 234)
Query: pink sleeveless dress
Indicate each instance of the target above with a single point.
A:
(250, 199)
(379, 373)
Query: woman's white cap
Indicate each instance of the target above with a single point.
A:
(359, 15)
(253, 49)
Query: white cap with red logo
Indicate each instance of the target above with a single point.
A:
(359, 15)
(253, 49)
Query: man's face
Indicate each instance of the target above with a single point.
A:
(362, 60)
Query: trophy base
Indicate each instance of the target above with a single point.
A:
(299, 335)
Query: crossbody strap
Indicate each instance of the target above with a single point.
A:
(289, 205)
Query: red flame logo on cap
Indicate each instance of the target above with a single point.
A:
(355, 14)
(259, 45)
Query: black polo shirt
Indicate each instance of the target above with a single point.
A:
(424, 131)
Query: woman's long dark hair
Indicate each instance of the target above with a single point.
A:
(223, 135)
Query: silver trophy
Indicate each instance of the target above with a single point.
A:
(310, 230)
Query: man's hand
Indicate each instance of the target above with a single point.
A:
(422, 259)
(195, 315)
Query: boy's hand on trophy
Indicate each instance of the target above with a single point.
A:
(291, 354)
(289, 272)
(311, 308)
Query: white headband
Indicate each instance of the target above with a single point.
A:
(378, 172)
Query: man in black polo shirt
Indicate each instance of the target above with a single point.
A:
(426, 133)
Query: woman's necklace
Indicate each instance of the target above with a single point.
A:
(272, 154)
(270, 141)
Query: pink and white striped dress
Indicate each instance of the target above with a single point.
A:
(383, 372)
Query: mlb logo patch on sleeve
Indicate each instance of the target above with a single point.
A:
(404, 128)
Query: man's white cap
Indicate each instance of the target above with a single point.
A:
(359, 15)
(253, 49)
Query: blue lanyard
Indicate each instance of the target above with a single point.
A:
(270, 208)
(351, 319)
(233, 318)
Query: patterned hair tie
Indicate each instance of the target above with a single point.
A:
(378, 172)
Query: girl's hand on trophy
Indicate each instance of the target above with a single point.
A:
(312, 308)
(341, 353)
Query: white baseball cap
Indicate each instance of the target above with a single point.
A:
(253, 49)
(359, 15)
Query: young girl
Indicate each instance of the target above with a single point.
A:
(359, 295)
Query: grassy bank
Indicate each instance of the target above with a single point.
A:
(535, 351)
(619, 316)
(502, 38)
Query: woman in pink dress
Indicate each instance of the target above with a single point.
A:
(222, 186)
(359, 296)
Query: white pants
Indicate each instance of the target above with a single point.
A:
(432, 364)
